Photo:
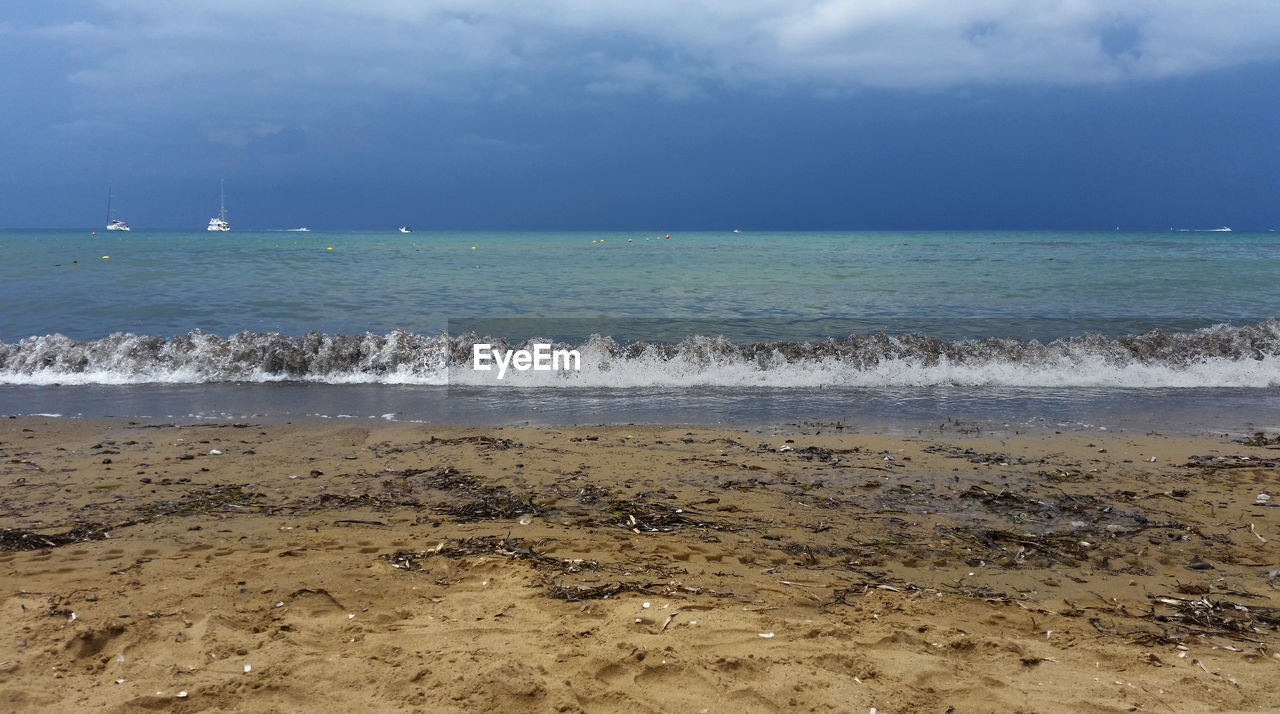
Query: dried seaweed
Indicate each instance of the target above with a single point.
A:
(574, 593)
(216, 499)
(18, 539)
(479, 440)
(1259, 438)
(1213, 617)
(514, 548)
(1063, 547)
(645, 517)
(491, 502)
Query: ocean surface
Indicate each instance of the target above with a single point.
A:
(1171, 330)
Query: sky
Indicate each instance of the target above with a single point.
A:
(655, 115)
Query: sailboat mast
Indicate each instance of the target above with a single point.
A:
(222, 199)
(108, 204)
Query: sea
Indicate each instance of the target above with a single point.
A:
(1171, 331)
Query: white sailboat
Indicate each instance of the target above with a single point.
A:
(113, 223)
(220, 222)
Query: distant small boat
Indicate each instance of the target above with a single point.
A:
(1223, 229)
(113, 223)
(303, 229)
(406, 229)
(220, 222)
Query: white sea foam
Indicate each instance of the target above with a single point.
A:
(1222, 356)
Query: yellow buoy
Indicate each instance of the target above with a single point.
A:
(329, 248)
(473, 247)
(105, 257)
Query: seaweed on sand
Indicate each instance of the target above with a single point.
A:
(19, 539)
(216, 499)
(514, 548)
(640, 515)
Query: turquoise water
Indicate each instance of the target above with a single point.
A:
(810, 285)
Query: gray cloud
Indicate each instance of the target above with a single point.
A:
(461, 49)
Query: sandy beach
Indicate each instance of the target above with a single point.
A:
(350, 565)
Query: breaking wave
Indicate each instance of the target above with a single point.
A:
(1220, 356)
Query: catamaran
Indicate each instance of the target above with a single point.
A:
(113, 223)
(220, 222)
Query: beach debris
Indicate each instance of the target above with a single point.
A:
(488, 442)
(575, 593)
(1219, 463)
(648, 517)
(317, 591)
(19, 539)
(1203, 616)
(490, 502)
(555, 570)
(819, 453)
(766, 635)
(1063, 547)
(1263, 497)
(215, 452)
(248, 668)
(182, 694)
(1259, 438)
(221, 498)
(514, 548)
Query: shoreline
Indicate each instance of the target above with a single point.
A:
(409, 566)
(901, 411)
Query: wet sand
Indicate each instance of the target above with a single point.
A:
(351, 565)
